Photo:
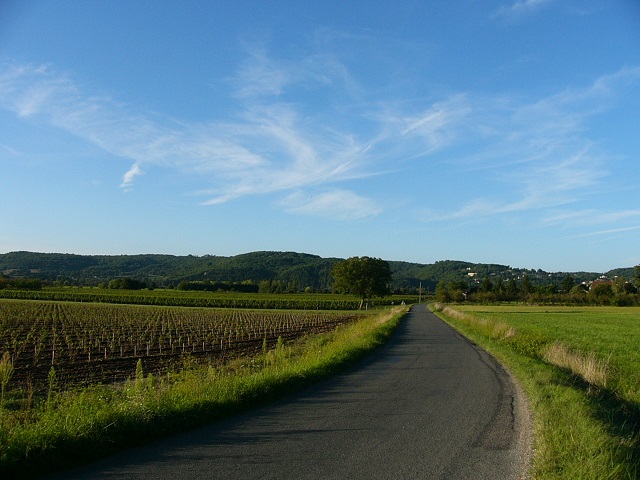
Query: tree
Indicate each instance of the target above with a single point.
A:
(525, 286)
(567, 283)
(601, 293)
(442, 292)
(622, 287)
(364, 277)
(126, 284)
(512, 288)
(487, 285)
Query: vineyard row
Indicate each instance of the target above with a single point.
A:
(201, 299)
(87, 343)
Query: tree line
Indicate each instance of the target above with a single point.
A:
(288, 271)
(618, 291)
(8, 283)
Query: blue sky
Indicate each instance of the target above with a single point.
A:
(502, 131)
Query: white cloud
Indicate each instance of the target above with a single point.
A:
(439, 125)
(610, 231)
(335, 203)
(537, 154)
(267, 149)
(10, 150)
(520, 7)
(593, 217)
(127, 179)
(546, 183)
(260, 76)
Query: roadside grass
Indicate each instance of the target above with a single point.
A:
(579, 371)
(610, 336)
(74, 427)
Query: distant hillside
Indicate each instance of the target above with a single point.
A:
(410, 274)
(298, 270)
(301, 269)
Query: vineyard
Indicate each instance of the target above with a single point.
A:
(80, 343)
(200, 299)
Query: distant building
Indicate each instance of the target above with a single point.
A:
(600, 281)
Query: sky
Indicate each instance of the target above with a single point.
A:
(489, 131)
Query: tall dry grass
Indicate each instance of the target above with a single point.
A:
(495, 330)
(592, 369)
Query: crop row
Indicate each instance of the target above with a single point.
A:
(99, 342)
(190, 299)
(159, 297)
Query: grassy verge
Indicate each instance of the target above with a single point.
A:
(74, 427)
(587, 425)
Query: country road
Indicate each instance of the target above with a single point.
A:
(428, 405)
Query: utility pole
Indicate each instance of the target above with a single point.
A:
(420, 293)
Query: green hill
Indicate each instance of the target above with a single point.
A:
(297, 270)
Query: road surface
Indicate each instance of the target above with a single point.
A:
(428, 405)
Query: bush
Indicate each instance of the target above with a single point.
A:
(127, 284)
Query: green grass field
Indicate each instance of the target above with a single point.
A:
(580, 368)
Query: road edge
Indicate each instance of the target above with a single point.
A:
(521, 409)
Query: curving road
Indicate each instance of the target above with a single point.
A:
(428, 405)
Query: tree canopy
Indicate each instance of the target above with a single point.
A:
(364, 277)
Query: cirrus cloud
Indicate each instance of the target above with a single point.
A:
(334, 203)
(536, 154)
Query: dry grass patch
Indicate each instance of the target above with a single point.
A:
(495, 329)
(592, 369)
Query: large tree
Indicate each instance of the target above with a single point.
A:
(364, 277)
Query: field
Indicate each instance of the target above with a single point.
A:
(580, 367)
(88, 343)
(44, 432)
(179, 298)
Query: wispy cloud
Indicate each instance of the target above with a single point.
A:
(609, 231)
(129, 177)
(520, 7)
(439, 125)
(531, 189)
(10, 150)
(593, 222)
(536, 153)
(591, 216)
(264, 78)
(265, 149)
(260, 76)
(335, 203)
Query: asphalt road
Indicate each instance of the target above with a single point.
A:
(428, 405)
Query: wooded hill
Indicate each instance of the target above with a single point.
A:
(293, 271)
